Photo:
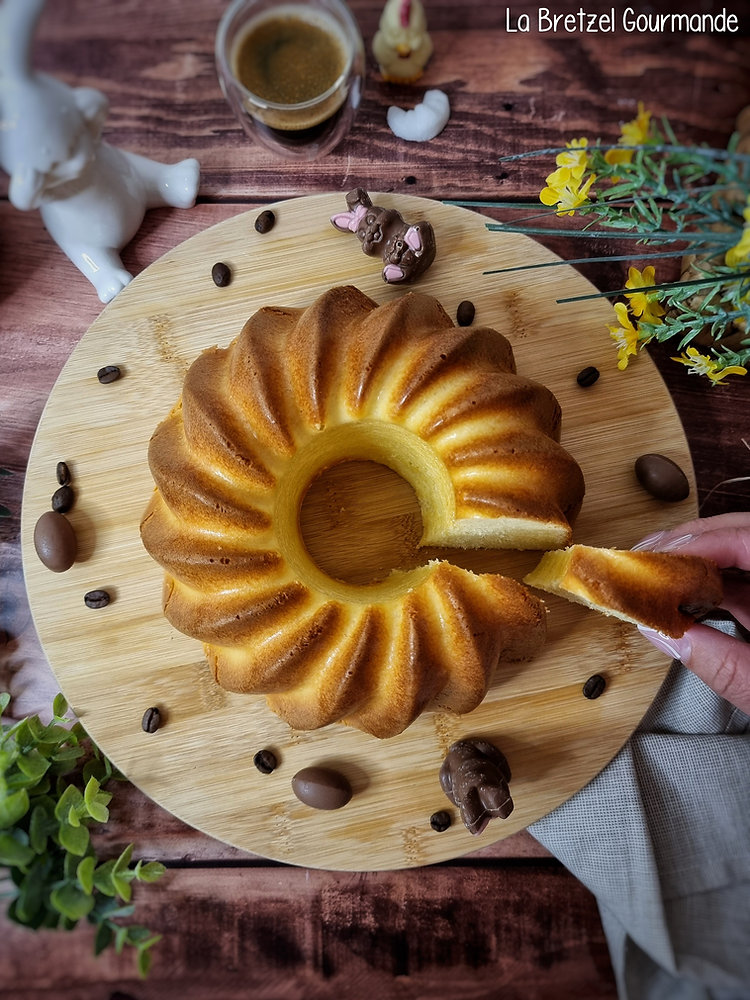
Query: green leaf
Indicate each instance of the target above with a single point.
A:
(32, 731)
(70, 864)
(121, 938)
(14, 849)
(41, 825)
(110, 909)
(4, 701)
(71, 799)
(103, 938)
(67, 754)
(17, 917)
(85, 873)
(71, 901)
(52, 733)
(32, 895)
(144, 962)
(96, 801)
(96, 768)
(124, 860)
(59, 706)
(13, 808)
(103, 878)
(75, 839)
(144, 955)
(32, 764)
(122, 887)
(151, 871)
(29, 902)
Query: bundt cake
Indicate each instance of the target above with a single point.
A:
(655, 589)
(298, 391)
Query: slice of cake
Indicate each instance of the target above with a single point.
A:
(661, 590)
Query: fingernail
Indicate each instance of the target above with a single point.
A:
(656, 542)
(678, 649)
(676, 543)
(649, 541)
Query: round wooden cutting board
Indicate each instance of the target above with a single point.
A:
(115, 662)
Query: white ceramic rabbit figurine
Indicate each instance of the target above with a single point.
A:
(91, 196)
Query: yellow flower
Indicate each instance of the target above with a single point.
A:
(644, 304)
(633, 133)
(558, 179)
(576, 159)
(615, 156)
(701, 364)
(740, 252)
(564, 190)
(625, 336)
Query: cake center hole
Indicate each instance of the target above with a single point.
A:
(359, 520)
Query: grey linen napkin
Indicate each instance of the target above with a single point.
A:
(661, 837)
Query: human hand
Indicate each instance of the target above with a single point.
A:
(720, 661)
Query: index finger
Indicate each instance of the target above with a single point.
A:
(726, 546)
(725, 539)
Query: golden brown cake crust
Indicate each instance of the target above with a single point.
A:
(648, 588)
(297, 391)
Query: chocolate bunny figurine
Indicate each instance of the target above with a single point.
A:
(407, 250)
(475, 776)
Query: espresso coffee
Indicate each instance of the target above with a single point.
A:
(292, 71)
(288, 59)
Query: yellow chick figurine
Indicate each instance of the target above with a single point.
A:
(401, 45)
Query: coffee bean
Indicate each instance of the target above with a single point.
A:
(110, 373)
(221, 274)
(465, 313)
(321, 788)
(440, 821)
(587, 376)
(662, 478)
(151, 720)
(55, 541)
(594, 686)
(265, 221)
(265, 761)
(63, 473)
(96, 599)
(63, 499)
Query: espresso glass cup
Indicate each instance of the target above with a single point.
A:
(292, 72)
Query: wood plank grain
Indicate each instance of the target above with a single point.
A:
(292, 934)
(509, 93)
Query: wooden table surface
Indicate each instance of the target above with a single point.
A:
(508, 920)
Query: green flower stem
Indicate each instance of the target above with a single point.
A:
(588, 260)
(692, 151)
(665, 286)
(682, 194)
(664, 236)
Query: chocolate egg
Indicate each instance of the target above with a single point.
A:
(321, 788)
(55, 541)
(662, 478)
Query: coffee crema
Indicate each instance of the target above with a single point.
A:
(287, 59)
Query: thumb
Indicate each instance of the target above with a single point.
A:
(723, 663)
